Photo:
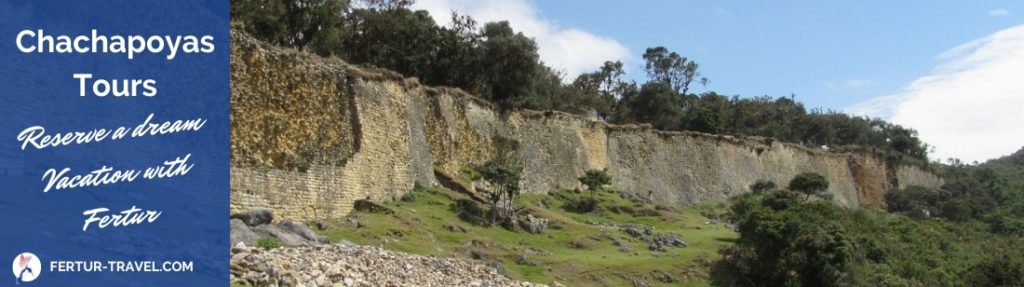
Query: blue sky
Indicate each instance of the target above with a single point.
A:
(861, 49)
(877, 58)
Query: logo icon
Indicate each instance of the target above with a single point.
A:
(26, 267)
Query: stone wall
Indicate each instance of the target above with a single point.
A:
(311, 135)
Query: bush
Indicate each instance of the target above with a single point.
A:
(644, 212)
(780, 199)
(470, 173)
(911, 200)
(268, 243)
(799, 244)
(619, 209)
(997, 271)
(808, 183)
(595, 179)
(408, 197)
(470, 211)
(762, 186)
(581, 205)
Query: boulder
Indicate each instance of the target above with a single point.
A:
(532, 224)
(636, 230)
(660, 242)
(455, 228)
(240, 232)
(290, 234)
(286, 238)
(255, 217)
(303, 231)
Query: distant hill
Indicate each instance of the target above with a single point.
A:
(1011, 167)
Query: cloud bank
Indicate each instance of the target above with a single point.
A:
(999, 12)
(571, 50)
(971, 105)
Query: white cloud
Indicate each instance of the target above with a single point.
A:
(849, 84)
(998, 12)
(571, 50)
(971, 105)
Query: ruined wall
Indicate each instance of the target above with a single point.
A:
(912, 175)
(310, 136)
(306, 146)
(701, 167)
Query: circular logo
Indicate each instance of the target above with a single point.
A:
(26, 267)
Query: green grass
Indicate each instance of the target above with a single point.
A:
(418, 226)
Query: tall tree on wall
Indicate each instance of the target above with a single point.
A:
(670, 68)
(398, 39)
(458, 62)
(601, 89)
(658, 104)
(302, 24)
(512, 62)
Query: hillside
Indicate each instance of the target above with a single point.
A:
(608, 247)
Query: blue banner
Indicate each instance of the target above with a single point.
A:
(114, 143)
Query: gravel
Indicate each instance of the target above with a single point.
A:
(348, 265)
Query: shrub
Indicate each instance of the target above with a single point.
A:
(644, 212)
(470, 211)
(595, 179)
(802, 244)
(780, 199)
(268, 243)
(808, 183)
(762, 186)
(997, 271)
(408, 197)
(581, 205)
(471, 174)
(912, 199)
(620, 209)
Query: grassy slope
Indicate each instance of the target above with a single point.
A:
(418, 226)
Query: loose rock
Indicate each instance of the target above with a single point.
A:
(338, 265)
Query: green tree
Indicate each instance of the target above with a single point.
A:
(670, 68)
(459, 61)
(294, 23)
(394, 38)
(503, 175)
(511, 65)
(595, 180)
(658, 104)
(504, 180)
(796, 244)
(808, 183)
(703, 120)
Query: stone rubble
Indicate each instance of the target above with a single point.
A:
(349, 265)
(655, 241)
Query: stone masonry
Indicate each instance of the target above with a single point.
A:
(312, 135)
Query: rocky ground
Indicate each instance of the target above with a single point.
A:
(350, 265)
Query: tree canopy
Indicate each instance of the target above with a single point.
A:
(808, 183)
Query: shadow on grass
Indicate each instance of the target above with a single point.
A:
(725, 274)
(724, 239)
